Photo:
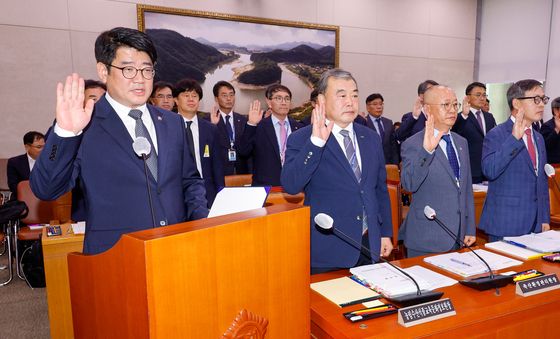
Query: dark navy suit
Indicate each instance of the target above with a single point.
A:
(390, 146)
(260, 142)
(325, 176)
(552, 141)
(470, 129)
(410, 126)
(241, 165)
(17, 170)
(112, 176)
(517, 198)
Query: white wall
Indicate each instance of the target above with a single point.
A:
(390, 46)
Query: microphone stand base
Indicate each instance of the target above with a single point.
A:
(487, 283)
(415, 299)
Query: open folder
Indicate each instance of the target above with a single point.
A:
(238, 199)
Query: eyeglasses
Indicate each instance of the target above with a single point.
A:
(478, 95)
(130, 72)
(447, 106)
(163, 96)
(37, 146)
(537, 99)
(281, 99)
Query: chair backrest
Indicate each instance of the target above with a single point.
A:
(393, 172)
(554, 194)
(238, 180)
(40, 212)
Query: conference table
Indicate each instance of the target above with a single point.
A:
(481, 314)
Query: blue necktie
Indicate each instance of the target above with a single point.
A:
(141, 131)
(452, 156)
(380, 128)
(229, 129)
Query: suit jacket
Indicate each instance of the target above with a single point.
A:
(211, 161)
(17, 170)
(241, 165)
(432, 182)
(113, 180)
(470, 130)
(516, 197)
(552, 141)
(409, 126)
(390, 146)
(259, 142)
(326, 178)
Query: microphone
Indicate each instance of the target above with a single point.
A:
(142, 148)
(551, 172)
(326, 223)
(482, 283)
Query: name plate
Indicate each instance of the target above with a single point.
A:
(423, 313)
(537, 285)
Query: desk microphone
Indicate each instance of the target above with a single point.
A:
(142, 148)
(551, 172)
(482, 283)
(325, 222)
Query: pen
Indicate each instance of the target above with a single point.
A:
(372, 310)
(515, 243)
(460, 262)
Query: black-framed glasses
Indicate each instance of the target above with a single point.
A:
(537, 99)
(447, 106)
(130, 72)
(478, 95)
(280, 99)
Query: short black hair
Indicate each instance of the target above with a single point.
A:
(221, 84)
(161, 85)
(90, 83)
(471, 86)
(270, 90)
(108, 42)
(423, 87)
(30, 137)
(374, 96)
(313, 96)
(555, 103)
(187, 85)
(518, 89)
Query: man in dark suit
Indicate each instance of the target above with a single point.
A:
(550, 130)
(339, 166)
(230, 129)
(201, 137)
(436, 170)
(265, 139)
(513, 159)
(473, 123)
(382, 126)
(19, 168)
(415, 121)
(95, 144)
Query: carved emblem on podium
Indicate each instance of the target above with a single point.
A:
(247, 325)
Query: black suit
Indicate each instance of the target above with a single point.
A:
(241, 164)
(390, 146)
(470, 129)
(552, 141)
(260, 142)
(410, 126)
(17, 170)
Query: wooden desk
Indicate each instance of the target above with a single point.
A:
(479, 314)
(55, 250)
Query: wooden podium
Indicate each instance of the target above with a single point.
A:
(192, 280)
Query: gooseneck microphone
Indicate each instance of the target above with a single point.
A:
(326, 223)
(482, 283)
(551, 173)
(142, 148)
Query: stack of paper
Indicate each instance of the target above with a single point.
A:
(545, 242)
(344, 291)
(390, 282)
(513, 250)
(467, 264)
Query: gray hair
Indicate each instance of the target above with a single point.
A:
(336, 73)
(518, 90)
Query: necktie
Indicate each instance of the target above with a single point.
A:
(283, 138)
(380, 128)
(452, 156)
(141, 131)
(229, 129)
(479, 119)
(190, 139)
(531, 147)
(351, 154)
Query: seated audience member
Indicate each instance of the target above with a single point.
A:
(265, 139)
(162, 95)
(473, 123)
(513, 159)
(19, 168)
(486, 105)
(551, 132)
(201, 137)
(93, 90)
(415, 121)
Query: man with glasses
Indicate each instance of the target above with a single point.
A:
(95, 144)
(436, 169)
(513, 159)
(265, 139)
(473, 123)
(551, 133)
(162, 95)
(19, 168)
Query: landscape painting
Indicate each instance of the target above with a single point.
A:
(251, 53)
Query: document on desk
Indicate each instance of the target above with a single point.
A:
(545, 242)
(390, 282)
(466, 264)
(513, 250)
(344, 291)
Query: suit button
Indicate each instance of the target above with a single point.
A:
(159, 191)
(310, 153)
(361, 192)
(162, 223)
(358, 217)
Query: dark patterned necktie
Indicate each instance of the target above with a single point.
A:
(141, 131)
(190, 139)
(452, 156)
(479, 119)
(380, 128)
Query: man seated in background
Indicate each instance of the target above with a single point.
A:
(551, 132)
(201, 137)
(162, 95)
(19, 168)
(265, 139)
(93, 90)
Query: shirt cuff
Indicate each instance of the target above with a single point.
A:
(64, 133)
(318, 141)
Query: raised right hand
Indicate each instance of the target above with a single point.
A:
(431, 141)
(255, 113)
(71, 115)
(519, 126)
(215, 115)
(466, 106)
(320, 130)
(417, 109)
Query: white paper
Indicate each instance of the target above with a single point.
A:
(238, 199)
(79, 227)
(467, 263)
(541, 242)
(480, 188)
(514, 251)
(37, 226)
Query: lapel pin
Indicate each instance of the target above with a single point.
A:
(159, 118)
